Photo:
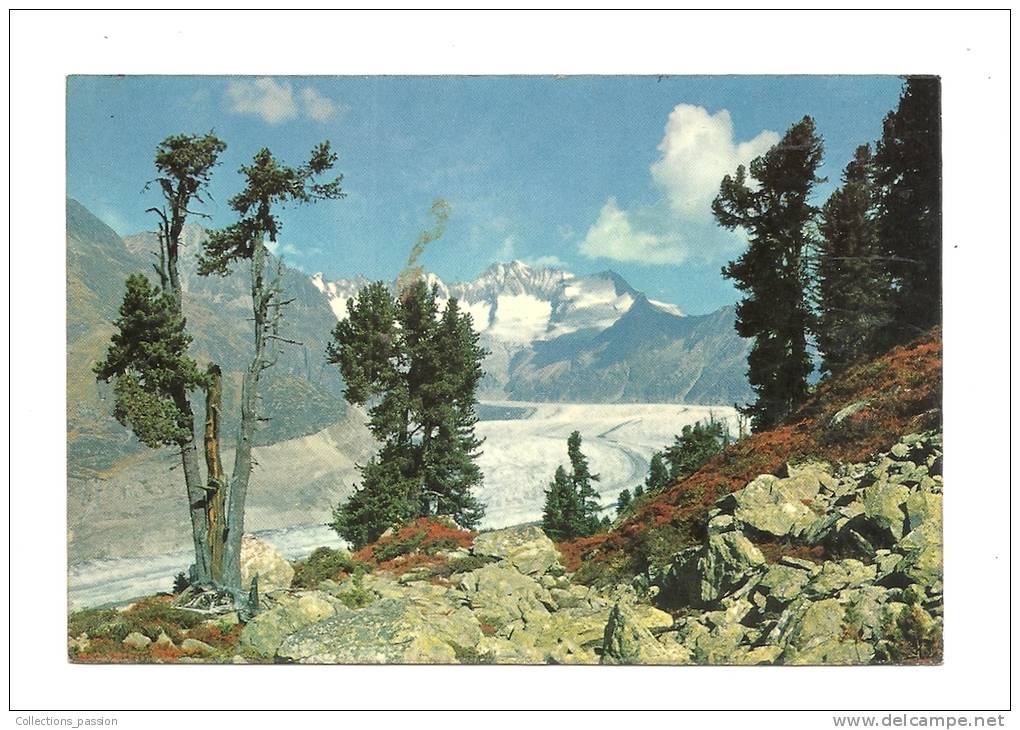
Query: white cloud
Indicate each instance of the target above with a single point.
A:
(318, 107)
(264, 97)
(507, 249)
(283, 249)
(548, 261)
(276, 102)
(615, 237)
(697, 150)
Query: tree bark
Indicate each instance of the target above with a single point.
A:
(202, 573)
(215, 506)
(261, 299)
(197, 496)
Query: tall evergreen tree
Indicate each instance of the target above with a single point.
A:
(153, 393)
(776, 215)
(268, 184)
(148, 360)
(587, 520)
(658, 473)
(851, 280)
(420, 370)
(560, 509)
(623, 501)
(908, 174)
(571, 502)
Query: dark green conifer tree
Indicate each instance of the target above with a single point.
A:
(623, 501)
(420, 370)
(586, 521)
(693, 447)
(852, 286)
(148, 360)
(658, 473)
(908, 175)
(558, 514)
(777, 216)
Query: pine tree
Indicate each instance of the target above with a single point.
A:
(777, 217)
(623, 501)
(420, 369)
(693, 447)
(148, 360)
(852, 285)
(571, 502)
(908, 174)
(586, 519)
(268, 184)
(155, 404)
(559, 512)
(452, 472)
(658, 473)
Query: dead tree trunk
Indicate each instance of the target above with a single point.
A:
(198, 497)
(201, 573)
(264, 299)
(216, 485)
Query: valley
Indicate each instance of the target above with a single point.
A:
(128, 532)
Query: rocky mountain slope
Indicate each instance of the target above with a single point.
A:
(647, 355)
(830, 564)
(302, 394)
(819, 542)
(848, 419)
(505, 597)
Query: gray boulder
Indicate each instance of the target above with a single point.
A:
(627, 641)
(727, 559)
(527, 549)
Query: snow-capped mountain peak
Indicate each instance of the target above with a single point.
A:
(516, 304)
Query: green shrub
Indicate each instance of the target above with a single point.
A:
(396, 548)
(148, 617)
(355, 595)
(325, 563)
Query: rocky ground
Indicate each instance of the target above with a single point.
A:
(823, 565)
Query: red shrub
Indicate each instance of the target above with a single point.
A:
(903, 390)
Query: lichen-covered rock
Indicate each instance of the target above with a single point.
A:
(627, 641)
(776, 507)
(136, 641)
(196, 647)
(259, 557)
(264, 633)
(500, 595)
(922, 554)
(835, 575)
(781, 584)
(727, 558)
(390, 630)
(527, 549)
(885, 506)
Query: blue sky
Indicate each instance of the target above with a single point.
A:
(588, 173)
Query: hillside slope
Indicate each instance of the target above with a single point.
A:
(647, 355)
(849, 418)
(302, 393)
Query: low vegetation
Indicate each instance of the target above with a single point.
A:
(326, 563)
(847, 419)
